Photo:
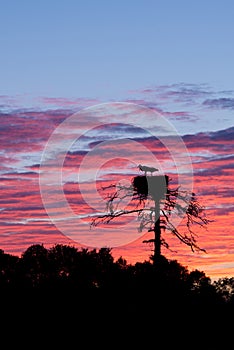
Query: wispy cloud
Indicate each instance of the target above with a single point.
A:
(220, 103)
(184, 104)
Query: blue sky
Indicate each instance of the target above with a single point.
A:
(104, 49)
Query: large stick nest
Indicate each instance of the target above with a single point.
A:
(155, 186)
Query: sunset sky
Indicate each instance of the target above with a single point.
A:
(91, 89)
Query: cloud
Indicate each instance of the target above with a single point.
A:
(184, 104)
(75, 103)
(217, 142)
(220, 103)
(180, 93)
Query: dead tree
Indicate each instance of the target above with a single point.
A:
(154, 202)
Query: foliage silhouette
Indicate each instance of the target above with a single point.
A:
(94, 275)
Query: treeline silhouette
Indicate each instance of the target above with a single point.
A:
(71, 272)
(66, 294)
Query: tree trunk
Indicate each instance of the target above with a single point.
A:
(157, 232)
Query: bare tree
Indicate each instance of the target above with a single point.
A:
(154, 202)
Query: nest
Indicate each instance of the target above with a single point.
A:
(154, 186)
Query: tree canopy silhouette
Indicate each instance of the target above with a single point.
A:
(76, 271)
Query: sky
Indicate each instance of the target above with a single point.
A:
(91, 89)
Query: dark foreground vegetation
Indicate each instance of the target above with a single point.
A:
(72, 293)
(69, 272)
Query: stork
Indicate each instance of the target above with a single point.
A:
(147, 168)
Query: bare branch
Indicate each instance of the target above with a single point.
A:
(176, 201)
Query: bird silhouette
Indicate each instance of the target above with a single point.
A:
(147, 169)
